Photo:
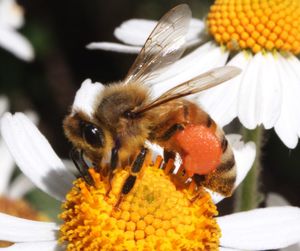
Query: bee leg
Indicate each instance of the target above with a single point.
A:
(82, 167)
(113, 164)
(131, 179)
(171, 131)
(198, 179)
(168, 155)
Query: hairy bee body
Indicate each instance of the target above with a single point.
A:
(110, 124)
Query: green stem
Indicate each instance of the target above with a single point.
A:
(247, 195)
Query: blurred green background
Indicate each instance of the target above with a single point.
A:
(59, 32)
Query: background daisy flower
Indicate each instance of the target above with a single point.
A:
(12, 190)
(261, 38)
(12, 18)
(258, 229)
(17, 188)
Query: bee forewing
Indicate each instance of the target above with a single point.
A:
(200, 83)
(164, 45)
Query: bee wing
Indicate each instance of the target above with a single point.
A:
(164, 45)
(200, 83)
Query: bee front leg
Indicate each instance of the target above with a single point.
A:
(114, 159)
(80, 164)
(131, 179)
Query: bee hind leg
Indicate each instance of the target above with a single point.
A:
(131, 179)
(198, 180)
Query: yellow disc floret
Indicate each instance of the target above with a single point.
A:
(258, 25)
(153, 216)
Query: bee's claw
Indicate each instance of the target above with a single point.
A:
(117, 205)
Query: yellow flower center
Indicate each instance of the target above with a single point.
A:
(153, 216)
(258, 25)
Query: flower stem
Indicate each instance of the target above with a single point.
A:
(247, 195)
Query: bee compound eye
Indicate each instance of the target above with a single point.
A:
(93, 135)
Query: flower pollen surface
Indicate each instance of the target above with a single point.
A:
(257, 25)
(153, 216)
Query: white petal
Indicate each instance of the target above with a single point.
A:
(7, 165)
(221, 102)
(19, 187)
(244, 155)
(248, 93)
(114, 47)
(269, 92)
(193, 64)
(294, 63)
(229, 249)
(288, 123)
(11, 14)
(16, 44)
(15, 229)
(35, 246)
(34, 155)
(136, 31)
(4, 104)
(295, 247)
(274, 199)
(261, 229)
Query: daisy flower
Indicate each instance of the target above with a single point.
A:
(158, 217)
(13, 190)
(12, 18)
(17, 188)
(274, 199)
(260, 37)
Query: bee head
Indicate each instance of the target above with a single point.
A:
(81, 128)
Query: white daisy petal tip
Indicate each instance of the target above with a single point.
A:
(16, 44)
(244, 154)
(86, 96)
(115, 47)
(35, 156)
(134, 31)
(261, 229)
(16, 229)
(4, 104)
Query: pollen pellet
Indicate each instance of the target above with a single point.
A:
(135, 216)
(149, 230)
(141, 225)
(130, 226)
(149, 219)
(160, 232)
(139, 234)
(157, 216)
(125, 215)
(121, 224)
(129, 235)
(156, 223)
(259, 19)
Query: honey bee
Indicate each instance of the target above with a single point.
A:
(120, 117)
